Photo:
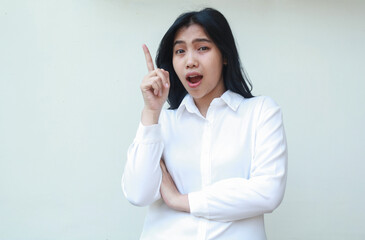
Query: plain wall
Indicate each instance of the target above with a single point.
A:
(70, 105)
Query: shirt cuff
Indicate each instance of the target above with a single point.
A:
(148, 134)
(198, 204)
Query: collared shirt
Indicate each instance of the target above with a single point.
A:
(231, 163)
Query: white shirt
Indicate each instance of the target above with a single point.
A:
(232, 164)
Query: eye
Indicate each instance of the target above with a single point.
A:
(204, 48)
(179, 51)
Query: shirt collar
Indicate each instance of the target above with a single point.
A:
(188, 104)
(229, 98)
(232, 99)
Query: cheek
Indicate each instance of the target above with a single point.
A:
(174, 65)
(177, 68)
(218, 66)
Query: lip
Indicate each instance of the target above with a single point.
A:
(192, 74)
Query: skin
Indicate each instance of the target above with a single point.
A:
(155, 89)
(194, 52)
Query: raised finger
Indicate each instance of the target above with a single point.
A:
(148, 57)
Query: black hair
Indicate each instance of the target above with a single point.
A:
(217, 28)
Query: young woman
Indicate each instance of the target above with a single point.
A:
(214, 163)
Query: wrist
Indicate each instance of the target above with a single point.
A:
(150, 117)
(181, 203)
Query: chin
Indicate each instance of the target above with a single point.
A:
(196, 94)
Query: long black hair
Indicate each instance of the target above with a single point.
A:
(217, 28)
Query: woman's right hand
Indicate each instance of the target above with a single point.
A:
(155, 89)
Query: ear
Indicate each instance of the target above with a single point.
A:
(224, 61)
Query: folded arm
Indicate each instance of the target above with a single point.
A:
(238, 198)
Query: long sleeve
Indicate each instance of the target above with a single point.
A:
(239, 198)
(142, 173)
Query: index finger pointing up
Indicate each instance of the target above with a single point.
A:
(148, 57)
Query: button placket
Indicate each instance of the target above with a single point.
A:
(205, 165)
(205, 172)
(206, 150)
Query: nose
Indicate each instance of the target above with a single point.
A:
(191, 60)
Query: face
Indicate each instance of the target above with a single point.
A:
(198, 63)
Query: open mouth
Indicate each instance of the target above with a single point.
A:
(194, 80)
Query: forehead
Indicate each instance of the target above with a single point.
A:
(191, 32)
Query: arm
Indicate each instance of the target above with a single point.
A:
(238, 198)
(172, 197)
(142, 174)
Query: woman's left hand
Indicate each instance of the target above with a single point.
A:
(172, 197)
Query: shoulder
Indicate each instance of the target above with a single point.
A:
(259, 103)
(259, 109)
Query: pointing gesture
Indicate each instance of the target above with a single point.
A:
(155, 89)
(148, 57)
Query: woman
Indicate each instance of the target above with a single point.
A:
(214, 163)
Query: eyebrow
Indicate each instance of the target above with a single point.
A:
(194, 41)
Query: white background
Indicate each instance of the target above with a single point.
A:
(70, 104)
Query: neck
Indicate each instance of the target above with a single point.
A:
(203, 107)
